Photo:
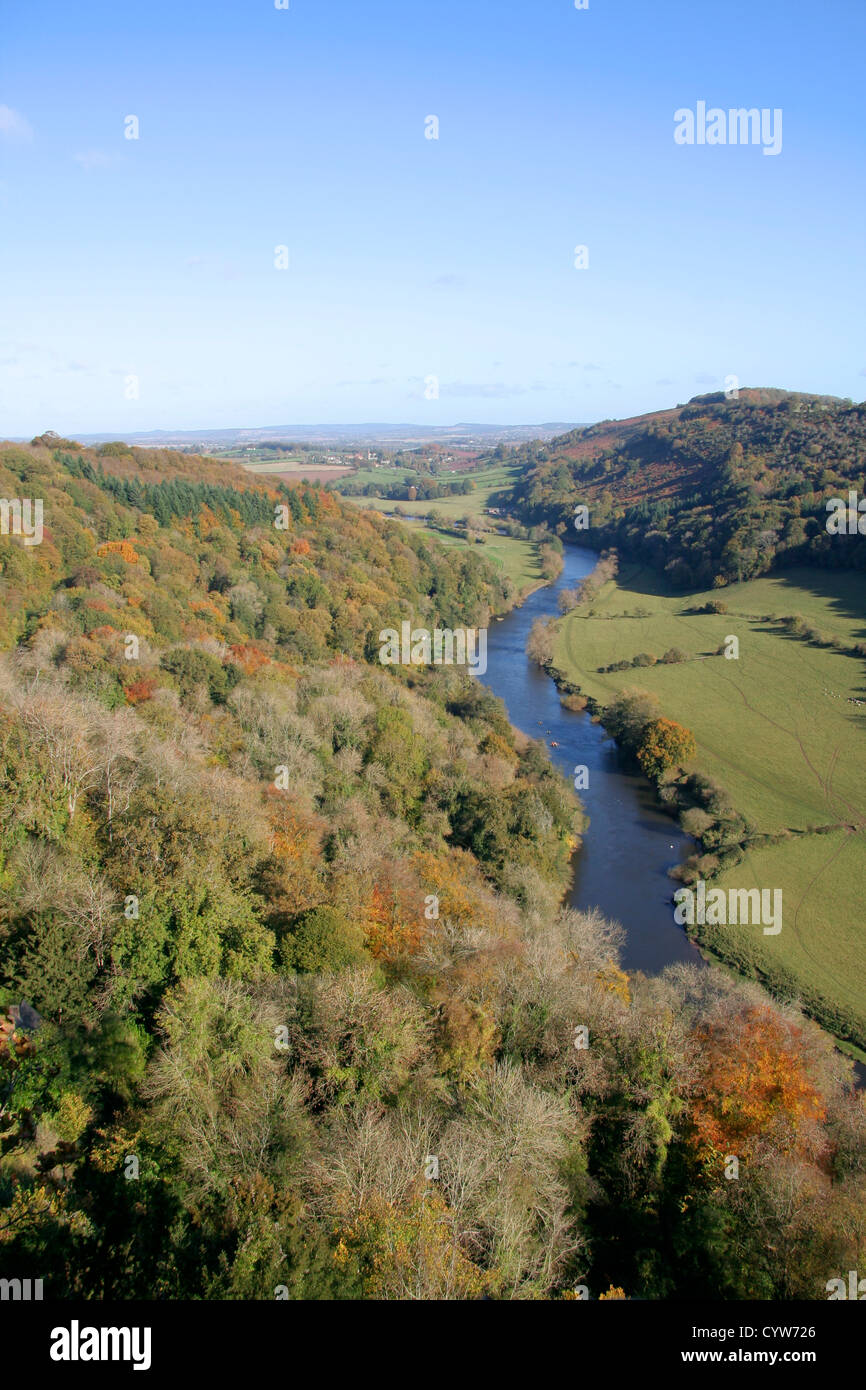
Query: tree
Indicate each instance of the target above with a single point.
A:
(323, 940)
(222, 1101)
(540, 643)
(626, 717)
(408, 1251)
(665, 744)
(754, 1083)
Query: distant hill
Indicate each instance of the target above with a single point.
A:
(370, 433)
(96, 500)
(711, 492)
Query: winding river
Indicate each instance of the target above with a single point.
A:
(621, 866)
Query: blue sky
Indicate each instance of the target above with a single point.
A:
(412, 258)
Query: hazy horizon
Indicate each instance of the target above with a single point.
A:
(302, 431)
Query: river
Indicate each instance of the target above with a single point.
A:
(621, 866)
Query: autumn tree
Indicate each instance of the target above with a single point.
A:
(665, 744)
(755, 1083)
(540, 643)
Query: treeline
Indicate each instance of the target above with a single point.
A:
(415, 486)
(591, 586)
(210, 564)
(712, 492)
(181, 498)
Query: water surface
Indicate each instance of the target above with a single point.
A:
(621, 866)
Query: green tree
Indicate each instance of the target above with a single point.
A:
(322, 940)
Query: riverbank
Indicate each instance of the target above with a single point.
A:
(622, 865)
(758, 738)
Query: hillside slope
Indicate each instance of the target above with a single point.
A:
(711, 492)
(309, 1019)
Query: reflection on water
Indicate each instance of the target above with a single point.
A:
(622, 864)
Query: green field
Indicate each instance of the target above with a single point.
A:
(517, 559)
(778, 728)
(382, 475)
(486, 481)
(300, 466)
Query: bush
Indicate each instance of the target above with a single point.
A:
(695, 821)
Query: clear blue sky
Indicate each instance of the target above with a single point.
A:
(411, 257)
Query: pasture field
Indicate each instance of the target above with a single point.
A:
(486, 481)
(262, 464)
(295, 470)
(779, 727)
(384, 474)
(515, 558)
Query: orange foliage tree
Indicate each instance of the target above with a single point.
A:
(393, 925)
(125, 549)
(249, 658)
(292, 878)
(455, 881)
(754, 1080)
(665, 744)
(140, 690)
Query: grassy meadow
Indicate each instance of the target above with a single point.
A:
(486, 480)
(515, 558)
(518, 559)
(778, 728)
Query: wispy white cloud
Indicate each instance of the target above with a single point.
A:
(14, 126)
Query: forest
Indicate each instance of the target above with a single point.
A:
(289, 1003)
(710, 493)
